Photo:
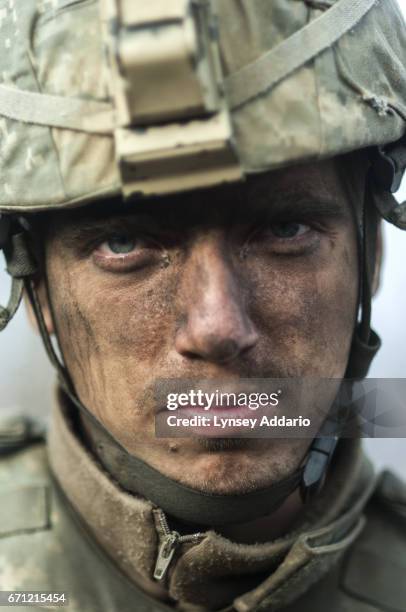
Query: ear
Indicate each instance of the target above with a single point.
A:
(378, 261)
(46, 311)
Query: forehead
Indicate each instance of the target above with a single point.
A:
(302, 190)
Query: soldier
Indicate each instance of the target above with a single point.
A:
(192, 190)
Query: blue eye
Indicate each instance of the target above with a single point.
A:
(126, 250)
(288, 230)
(121, 244)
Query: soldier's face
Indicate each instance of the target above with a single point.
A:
(258, 281)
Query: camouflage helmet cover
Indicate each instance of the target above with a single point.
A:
(350, 94)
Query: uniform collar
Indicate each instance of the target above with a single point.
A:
(215, 572)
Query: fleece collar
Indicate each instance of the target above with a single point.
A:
(213, 573)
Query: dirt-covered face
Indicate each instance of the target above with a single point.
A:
(259, 280)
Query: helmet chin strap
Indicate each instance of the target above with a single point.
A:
(366, 342)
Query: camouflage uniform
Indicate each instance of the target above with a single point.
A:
(67, 527)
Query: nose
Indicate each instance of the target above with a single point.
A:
(216, 325)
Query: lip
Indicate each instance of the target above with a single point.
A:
(164, 386)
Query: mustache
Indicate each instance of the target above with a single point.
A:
(226, 373)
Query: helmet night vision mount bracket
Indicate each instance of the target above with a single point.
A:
(173, 128)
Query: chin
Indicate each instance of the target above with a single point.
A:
(234, 466)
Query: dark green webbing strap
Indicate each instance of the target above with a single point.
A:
(390, 209)
(388, 169)
(63, 376)
(20, 265)
(366, 342)
(370, 223)
(16, 294)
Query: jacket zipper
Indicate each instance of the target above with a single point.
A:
(169, 544)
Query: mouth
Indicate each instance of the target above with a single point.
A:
(216, 408)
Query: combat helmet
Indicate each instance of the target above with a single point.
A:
(103, 98)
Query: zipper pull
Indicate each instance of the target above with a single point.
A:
(165, 554)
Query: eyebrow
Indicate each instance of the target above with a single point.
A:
(254, 207)
(84, 229)
(305, 202)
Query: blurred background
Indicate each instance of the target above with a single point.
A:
(27, 380)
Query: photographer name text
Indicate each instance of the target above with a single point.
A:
(228, 422)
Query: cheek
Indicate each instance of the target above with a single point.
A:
(113, 329)
(305, 310)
